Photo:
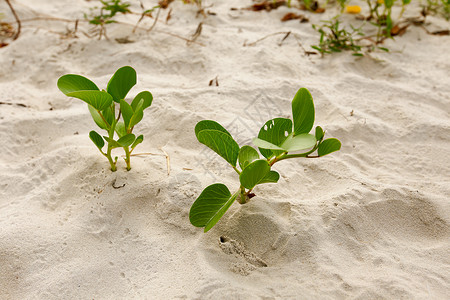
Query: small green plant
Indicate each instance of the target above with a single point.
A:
(381, 12)
(334, 38)
(108, 11)
(102, 106)
(278, 139)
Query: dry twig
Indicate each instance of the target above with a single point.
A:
(19, 25)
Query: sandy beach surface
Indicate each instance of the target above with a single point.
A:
(371, 221)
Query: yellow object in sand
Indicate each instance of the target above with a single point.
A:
(353, 9)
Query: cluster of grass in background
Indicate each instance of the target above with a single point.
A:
(336, 38)
(441, 7)
(374, 23)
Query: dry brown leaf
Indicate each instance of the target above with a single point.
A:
(267, 5)
(399, 30)
(294, 16)
(164, 3)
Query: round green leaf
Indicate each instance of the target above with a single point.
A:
(221, 143)
(271, 177)
(109, 114)
(247, 154)
(121, 82)
(299, 142)
(275, 132)
(328, 146)
(138, 114)
(209, 125)
(303, 111)
(112, 143)
(319, 133)
(126, 140)
(97, 139)
(210, 206)
(265, 145)
(71, 83)
(146, 96)
(99, 100)
(120, 129)
(97, 118)
(220, 213)
(127, 112)
(254, 173)
(138, 140)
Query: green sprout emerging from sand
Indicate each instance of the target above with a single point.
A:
(278, 139)
(102, 106)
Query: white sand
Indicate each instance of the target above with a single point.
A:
(369, 222)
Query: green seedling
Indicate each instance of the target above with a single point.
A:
(335, 38)
(108, 11)
(381, 13)
(278, 139)
(102, 106)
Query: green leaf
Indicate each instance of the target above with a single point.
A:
(126, 140)
(138, 140)
(299, 142)
(138, 114)
(146, 96)
(221, 143)
(112, 142)
(303, 111)
(220, 213)
(72, 83)
(121, 82)
(328, 146)
(247, 154)
(120, 129)
(265, 145)
(100, 100)
(271, 177)
(127, 112)
(109, 114)
(97, 139)
(254, 173)
(319, 133)
(275, 132)
(388, 3)
(209, 125)
(210, 206)
(97, 119)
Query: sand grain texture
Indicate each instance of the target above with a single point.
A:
(369, 222)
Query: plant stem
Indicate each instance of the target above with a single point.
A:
(236, 169)
(111, 136)
(243, 197)
(111, 161)
(127, 157)
(286, 156)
